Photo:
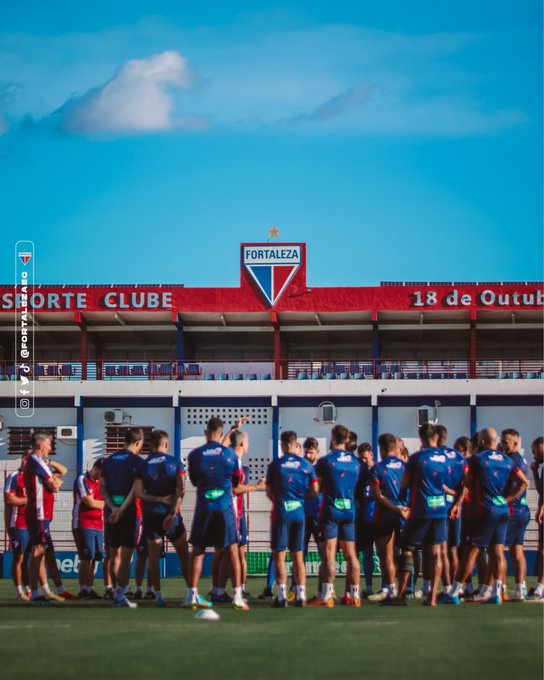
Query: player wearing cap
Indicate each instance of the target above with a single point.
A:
(495, 481)
(425, 476)
(117, 478)
(88, 527)
(160, 485)
(338, 473)
(15, 519)
(288, 480)
(214, 469)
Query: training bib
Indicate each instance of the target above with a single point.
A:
(499, 501)
(290, 506)
(436, 502)
(342, 503)
(118, 500)
(213, 494)
(450, 498)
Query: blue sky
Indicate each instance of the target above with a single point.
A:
(142, 142)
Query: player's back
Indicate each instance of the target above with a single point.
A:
(339, 471)
(15, 485)
(84, 516)
(387, 474)
(159, 474)
(429, 472)
(40, 499)
(492, 471)
(289, 478)
(519, 505)
(119, 471)
(211, 469)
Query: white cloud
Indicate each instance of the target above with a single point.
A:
(135, 99)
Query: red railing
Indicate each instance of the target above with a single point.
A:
(292, 369)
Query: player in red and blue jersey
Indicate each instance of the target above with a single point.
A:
(495, 481)
(425, 476)
(536, 594)
(453, 488)
(40, 487)
(520, 515)
(160, 485)
(15, 519)
(288, 480)
(117, 479)
(390, 510)
(88, 527)
(338, 473)
(214, 469)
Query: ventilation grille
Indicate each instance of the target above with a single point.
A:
(19, 439)
(115, 437)
(200, 416)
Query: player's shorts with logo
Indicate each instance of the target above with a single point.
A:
(516, 528)
(89, 543)
(19, 540)
(153, 528)
(423, 531)
(39, 533)
(214, 526)
(287, 533)
(338, 521)
(490, 527)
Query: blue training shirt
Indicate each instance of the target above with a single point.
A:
(312, 503)
(456, 471)
(214, 469)
(119, 471)
(492, 472)
(289, 478)
(365, 505)
(387, 474)
(519, 507)
(428, 472)
(159, 474)
(339, 472)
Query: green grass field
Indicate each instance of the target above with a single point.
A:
(93, 640)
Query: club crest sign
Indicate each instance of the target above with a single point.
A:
(272, 267)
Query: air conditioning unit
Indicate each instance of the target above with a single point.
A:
(428, 414)
(328, 412)
(115, 417)
(66, 432)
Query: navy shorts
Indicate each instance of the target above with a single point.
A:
(467, 526)
(152, 528)
(384, 530)
(490, 529)
(123, 534)
(312, 528)
(19, 540)
(364, 535)
(39, 534)
(454, 532)
(343, 529)
(243, 536)
(516, 528)
(287, 534)
(89, 543)
(214, 527)
(423, 531)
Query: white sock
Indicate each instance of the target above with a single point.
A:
(60, 590)
(301, 592)
(244, 587)
(539, 589)
(485, 591)
(497, 589)
(82, 589)
(45, 589)
(519, 588)
(139, 589)
(193, 594)
(392, 590)
(220, 591)
(149, 589)
(90, 588)
(158, 595)
(426, 586)
(237, 595)
(354, 592)
(469, 588)
(124, 590)
(328, 591)
(282, 591)
(107, 589)
(19, 590)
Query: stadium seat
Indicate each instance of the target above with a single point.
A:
(223, 376)
(541, 374)
(137, 371)
(461, 376)
(330, 376)
(39, 369)
(502, 375)
(531, 374)
(344, 376)
(251, 376)
(266, 376)
(357, 376)
(209, 376)
(517, 375)
(316, 375)
(302, 375)
(110, 371)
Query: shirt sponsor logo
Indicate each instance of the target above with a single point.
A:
(212, 452)
(438, 459)
(345, 458)
(291, 464)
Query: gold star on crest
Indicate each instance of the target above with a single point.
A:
(274, 232)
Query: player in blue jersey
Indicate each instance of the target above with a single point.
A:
(160, 485)
(495, 481)
(288, 480)
(364, 515)
(390, 510)
(121, 524)
(338, 473)
(312, 503)
(214, 469)
(453, 488)
(425, 476)
(520, 515)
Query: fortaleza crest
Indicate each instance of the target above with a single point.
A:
(25, 257)
(272, 267)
